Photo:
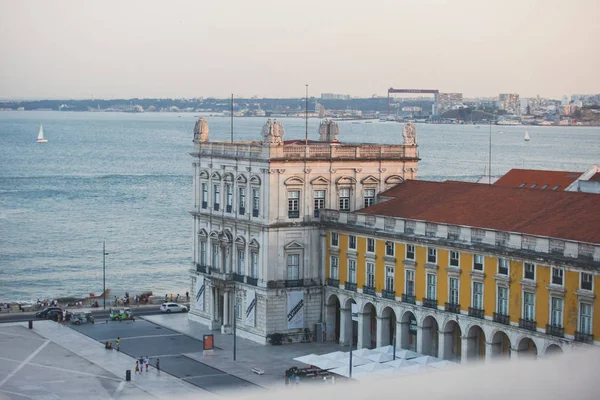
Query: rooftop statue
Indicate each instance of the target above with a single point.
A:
(409, 134)
(201, 131)
(273, 132)
(329, 131)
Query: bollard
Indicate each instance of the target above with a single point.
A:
(30, 324)
(128, 375)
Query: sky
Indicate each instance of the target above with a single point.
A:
(273, 48)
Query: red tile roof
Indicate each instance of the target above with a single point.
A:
(539, 178)
(596, 177)
(556, 214)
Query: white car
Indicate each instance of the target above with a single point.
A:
(172, 307)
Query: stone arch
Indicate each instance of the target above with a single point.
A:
(348, 327)
(553, 349)
(430, 333)
(215, 176)
(255, 180)
(242, 179)
(527, 347)
(345, 180)
(254, 243)
(387, 331)
(369, 180)
(202, 233)
(367, 336)
(240, 241)
(293, 180)
(320, 180)
(408, 330)
(203, 174)
(214, 235)
(451, 349)
(394, 180)
(500, 343)
(226, 236)
(228, 177)
(475, 342)
(333, 318)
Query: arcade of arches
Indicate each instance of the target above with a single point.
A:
(430, 332)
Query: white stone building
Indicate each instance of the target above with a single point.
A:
(258, 252)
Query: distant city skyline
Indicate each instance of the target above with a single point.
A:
(269, 49)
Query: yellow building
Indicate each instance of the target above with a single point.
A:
(464, 271)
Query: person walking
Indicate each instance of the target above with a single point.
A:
(187, 296)
(166, 297)
(118, 344)
(147, 362)
(137, 367)
(171, 296)
(158, 366)
(64, 318)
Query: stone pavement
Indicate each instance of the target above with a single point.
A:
(53, 361)
(273, 360)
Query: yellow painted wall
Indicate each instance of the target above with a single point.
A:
(514, 291)
(400, 276)
(361, 273)
(490, 268)
(442, 277)
(571, 305)
(542, 296)
(343, 246)
(466, 265)
(420, 276)
(379, 266)
(596, 310)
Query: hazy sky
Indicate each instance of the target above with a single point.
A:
(272, 48)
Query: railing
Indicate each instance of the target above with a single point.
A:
(238, 278)
(429, 303)
(254, 212)
(584, 337)
(350, 286)
(216, 207)
(369, 290)
(294, 283)
(252, 281)
(528, 324)
(204, 204)
(557, 331)
(476, 313)
(202, 268)
(453, 308)
(294, 214)
(389, 294)
(242, 211)
(316, 213)
(228, 208)
(333, 282)
(408, 298)
(501, 318)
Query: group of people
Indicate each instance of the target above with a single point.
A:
(145, 361)
(126, 301)
(187, 297)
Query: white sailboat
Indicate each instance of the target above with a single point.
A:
(40, 138)
(526, 136)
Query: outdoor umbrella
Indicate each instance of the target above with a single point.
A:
(309, 359)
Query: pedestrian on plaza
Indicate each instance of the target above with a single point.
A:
(158, 366)
(187, 296)
(137, 367)
(64, 316)
(166, 297)
(177, 298)
(141, 361)
(147, 362)
(118, 344)
(171, 296)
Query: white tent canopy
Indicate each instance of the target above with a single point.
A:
(425, 360)
(373, 367)
(400, 363)
(363, 352)
(336, 355)
(407, 354)
(326, 364)
(444, 364)
(309, 359)
(380, 357)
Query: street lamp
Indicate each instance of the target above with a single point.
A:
(104, 254)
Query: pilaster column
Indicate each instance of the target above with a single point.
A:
(380, 328)
(489, 351)
(345, 326)
(399, 333)
(442, 350)
(420, 339)
(226, 308)
(464, 349)
(403, 335)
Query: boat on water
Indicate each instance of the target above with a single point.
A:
(508, 121)
(526, 136)
(41, 138)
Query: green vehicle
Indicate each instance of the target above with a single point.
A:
(117, 314)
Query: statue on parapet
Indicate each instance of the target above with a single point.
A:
(273, 132)
(201, 131)
(329, 131)
(410, 134)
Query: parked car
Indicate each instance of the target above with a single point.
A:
(173, 307)
(117, 314)
(82, 318)
(44, 313)
(53, 315)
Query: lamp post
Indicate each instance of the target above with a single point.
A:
(394, 344)
(351, 342)
(235, 308)
(104, 254)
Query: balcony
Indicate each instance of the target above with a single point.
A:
(501, 318)
(242, 211)
(204, 205)
(430, 303)
(202, 268)
(294, 283)
(333, 282)
(369, 290)
(238, 278)
(252, 281)
(557, 331)
(528, 324)
(216, 207)
(584, 337)
(254, 212)
(316, 213)
(476, 313)
(228, 208)
(408, 298)
(294, 214)
(453, 308)
(389, 294)
(350, 286)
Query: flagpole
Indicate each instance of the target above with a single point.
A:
(306, 118)
(231, 117)
(234, 330)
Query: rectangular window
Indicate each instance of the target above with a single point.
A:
(319, 201)
(431, 255)
(528, 306)
(587, 281)
(352, 271)
(255, 201)
(585, 318)
(453, 297)
(503, 266)
(254, 265)
(294, 204)
(216, 197)
(389, 249)
(478, 262)
(557, 276)
(478, 295)
(410, 251)
(238, 307)
(241, 266)
(454, 258)
(215, 256)
(369, 197)
(203, 253)
(389, 279)
(334, 272)
(556, 318)
(370, 274)
(370, 245)
(410, 282)
(345, 199)
(529, 271)
(335, 239)
(242, 202)
(352, 242)
(502, 300)
(293, 267)
(431, 286)
(204, 195)
(229, 194)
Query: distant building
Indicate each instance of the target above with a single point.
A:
(587, 182)
(510, 103)
(449, 101)
(334, 96)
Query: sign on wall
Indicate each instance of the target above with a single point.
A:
(200, 292)
(295, 310)
(354, 312)
(250, 307)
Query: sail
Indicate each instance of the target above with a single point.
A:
(41, 133)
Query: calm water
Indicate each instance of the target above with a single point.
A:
(126, 179)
